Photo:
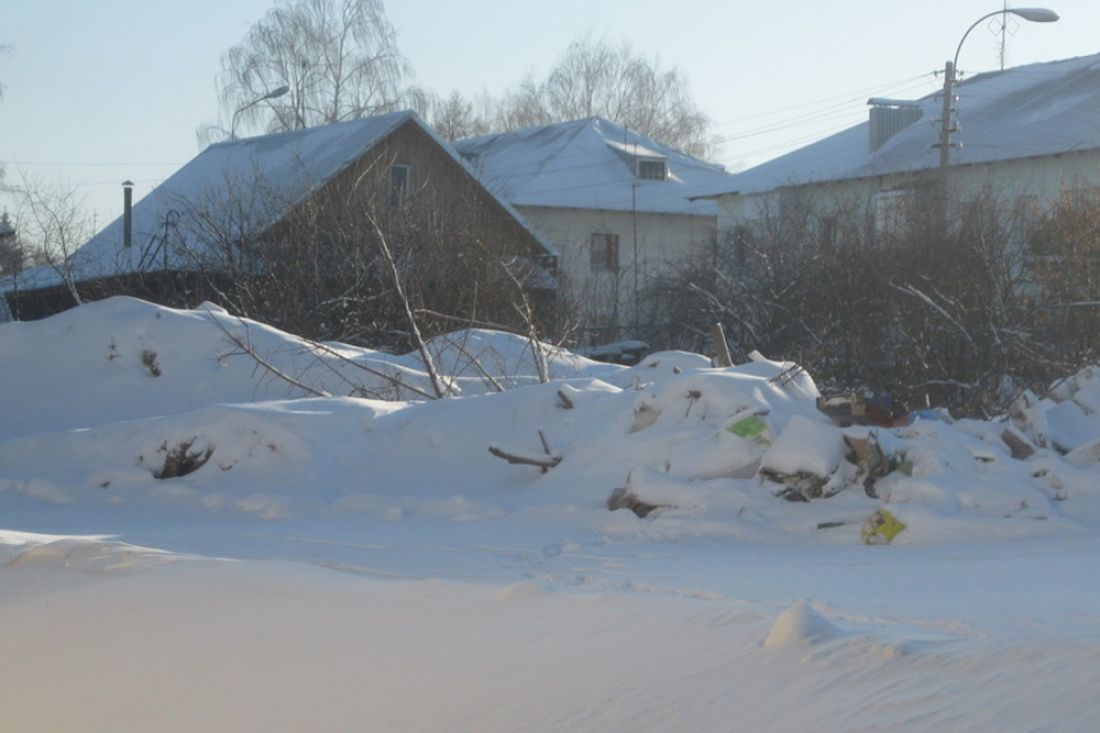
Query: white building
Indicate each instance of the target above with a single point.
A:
(613, 202)
(1025, 135)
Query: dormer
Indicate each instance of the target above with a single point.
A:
(644, 163)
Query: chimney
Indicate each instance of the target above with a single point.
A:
(127, 213)
(888, 118)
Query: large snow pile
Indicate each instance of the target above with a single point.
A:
(191, 538)
(124, 404)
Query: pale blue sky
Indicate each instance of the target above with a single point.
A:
(98, 92)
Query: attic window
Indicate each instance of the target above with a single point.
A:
(652, 169)
(400, 176)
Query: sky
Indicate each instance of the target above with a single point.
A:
(97, 93)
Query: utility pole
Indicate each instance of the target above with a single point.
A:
(946, 125)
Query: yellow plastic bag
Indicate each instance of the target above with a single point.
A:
(881, 528)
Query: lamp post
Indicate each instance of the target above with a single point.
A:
(273, 94)
(1035, 15)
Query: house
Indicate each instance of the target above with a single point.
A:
(1024, 135)
(224, 212)
(614, 204)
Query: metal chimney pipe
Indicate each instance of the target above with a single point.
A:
(127, 212)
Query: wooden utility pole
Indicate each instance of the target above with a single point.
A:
(946, 126)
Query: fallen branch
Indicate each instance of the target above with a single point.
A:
(525, 458)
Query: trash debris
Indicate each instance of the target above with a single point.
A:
(1017, 444)
(751, 427)
(1028, 417)
(872, 464)
(805, 458)
(881, 528)
(864, 408)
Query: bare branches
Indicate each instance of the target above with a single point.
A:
(339, 58)
(440, 389)
(391, 378)
(245, 345)
(52, 219)
(916, 293)
(961, 310)
(593, 77)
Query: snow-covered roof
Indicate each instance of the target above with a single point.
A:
(587, 164)
(1039, 109)
(265, 175)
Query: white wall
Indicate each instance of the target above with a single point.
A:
(607, 299)
(1029, 181)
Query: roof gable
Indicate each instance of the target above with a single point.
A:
(266, 176)
(586, 164)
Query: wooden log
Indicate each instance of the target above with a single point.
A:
(722, 358)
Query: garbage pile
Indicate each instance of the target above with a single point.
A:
(698, 437)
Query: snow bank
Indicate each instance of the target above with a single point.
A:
(93, 422)
(123, 358)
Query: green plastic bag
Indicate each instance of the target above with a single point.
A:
(751, 428)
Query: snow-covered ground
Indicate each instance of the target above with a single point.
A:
(361, 561)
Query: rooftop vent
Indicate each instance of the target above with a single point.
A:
(888, 118)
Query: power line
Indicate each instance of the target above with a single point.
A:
(857, 94)
(42, 164)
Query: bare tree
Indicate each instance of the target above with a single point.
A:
(52, 221)
(955, 310)
(453, 117)
(339, 58)
(13, 253)
(596, 77)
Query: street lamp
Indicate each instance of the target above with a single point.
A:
(1035, 15)
(273, 94)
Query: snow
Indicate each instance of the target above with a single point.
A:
(800, 625)
(1032, 110)
(586, 164)
(346, 562)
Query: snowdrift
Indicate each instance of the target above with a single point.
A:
(123, 406)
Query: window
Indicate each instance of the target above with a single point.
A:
(604, 250)
(891, 209)
(742, 243)
(399, 184)
(652, 169)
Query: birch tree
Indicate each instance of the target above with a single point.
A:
(339, 59)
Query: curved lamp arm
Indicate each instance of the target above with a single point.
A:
(1035, 15)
